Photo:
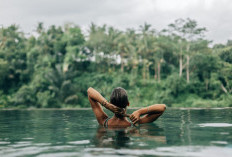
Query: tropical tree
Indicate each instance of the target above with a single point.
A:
(189, 32)
(12, 53)
(132, 50)
(73, 39)
(60, 85)
(146, 47)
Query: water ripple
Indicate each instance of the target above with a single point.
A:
(80, 142)
(215, 125)
(193, 151)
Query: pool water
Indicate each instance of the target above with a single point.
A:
(179, 132)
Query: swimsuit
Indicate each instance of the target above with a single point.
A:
(106, 123)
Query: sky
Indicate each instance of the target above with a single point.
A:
(215, 15)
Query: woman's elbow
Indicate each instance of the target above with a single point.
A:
(89, 90)
(163, 107)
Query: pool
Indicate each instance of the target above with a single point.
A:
(179, 132)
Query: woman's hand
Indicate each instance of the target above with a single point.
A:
(115, 109)
(135, 117)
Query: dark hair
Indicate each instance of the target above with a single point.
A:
(119, 97)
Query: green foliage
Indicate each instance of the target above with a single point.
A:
(25, 96)
(44, 99)
(54, 69)
(3, 71)
(226, 54)
(5, 100)
(12, 54)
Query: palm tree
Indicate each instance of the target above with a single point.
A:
(122, 49)
(188, 32)
(60, 84)
(131, 43)
(146, 47)
(96, 43)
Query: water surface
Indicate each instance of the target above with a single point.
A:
(186, 132)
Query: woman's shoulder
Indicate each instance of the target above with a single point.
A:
(122, 124)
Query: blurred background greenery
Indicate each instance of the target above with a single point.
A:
(54, 67)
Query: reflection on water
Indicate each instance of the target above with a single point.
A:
(215, 125)
(202, 132)
(126, 138)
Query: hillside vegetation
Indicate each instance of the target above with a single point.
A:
(54, 67)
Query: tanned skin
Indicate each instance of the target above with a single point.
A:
(140, 116)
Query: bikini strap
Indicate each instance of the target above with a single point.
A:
(134, 125)
(106, 123)
(131, 123)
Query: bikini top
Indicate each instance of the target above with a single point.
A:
(106, 123)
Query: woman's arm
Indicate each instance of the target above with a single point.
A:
(151, 113)
(96, 99)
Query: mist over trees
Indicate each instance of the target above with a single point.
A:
(174, 66)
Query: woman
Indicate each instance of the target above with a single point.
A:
(118, 103)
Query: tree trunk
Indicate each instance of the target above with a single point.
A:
(122, 65)
(224, 89)
(113, 67)
(144, 70)
(155, 76)
(207, 84)
(147, 71)
(188, 58)
(158, 71)
(181, 62)
(181, 65)
(133, 70)
(134, 67)
(187, 68)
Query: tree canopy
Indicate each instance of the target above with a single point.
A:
(54, 68)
